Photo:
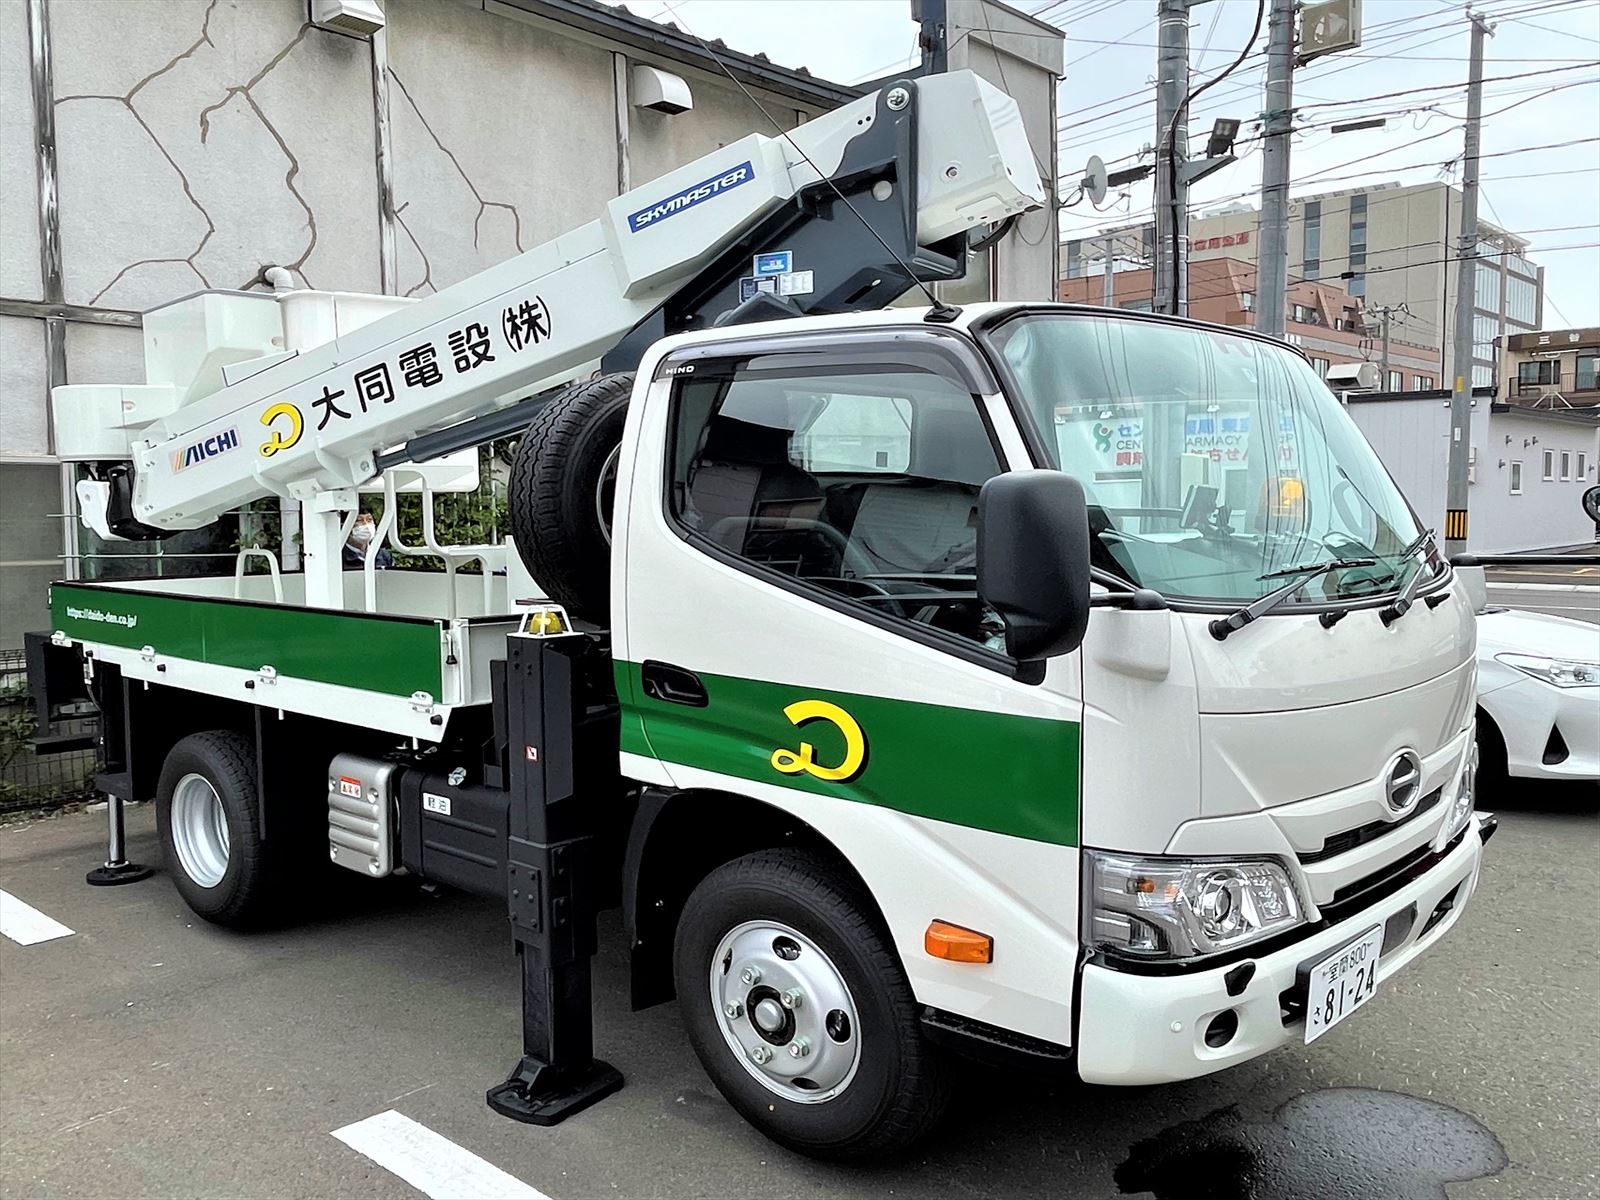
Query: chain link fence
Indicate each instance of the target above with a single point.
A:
(28, 779)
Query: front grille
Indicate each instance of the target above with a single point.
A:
(1343, 843)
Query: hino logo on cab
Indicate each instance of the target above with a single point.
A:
(690, 196)
(199, 452)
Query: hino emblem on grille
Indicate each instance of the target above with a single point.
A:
(1403, 786)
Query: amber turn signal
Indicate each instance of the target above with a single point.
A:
(955, 944)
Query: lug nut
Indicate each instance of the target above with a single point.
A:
(762, 1055)
(800, 1047)
(750, 976)
(733, 1011)
(792, 998)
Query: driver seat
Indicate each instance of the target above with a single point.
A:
(744, 484)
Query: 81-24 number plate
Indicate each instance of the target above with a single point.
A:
(1342, 983)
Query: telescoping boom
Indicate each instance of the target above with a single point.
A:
(920, 162)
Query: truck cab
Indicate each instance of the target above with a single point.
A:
(1155, 832)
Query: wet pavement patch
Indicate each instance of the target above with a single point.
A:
(1337, 1144)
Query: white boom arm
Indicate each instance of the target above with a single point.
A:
(314, 421)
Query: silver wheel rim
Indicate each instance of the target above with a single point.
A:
(200, 830)
(605, 488)
(785, 1011)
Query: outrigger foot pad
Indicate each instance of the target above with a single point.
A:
(111, 874)
(539, 1094)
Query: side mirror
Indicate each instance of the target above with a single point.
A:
(1591, 503)
(1033, 560)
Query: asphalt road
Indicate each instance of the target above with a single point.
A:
(1564, 591)
(149, 1054)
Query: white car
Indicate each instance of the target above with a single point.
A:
(1538, 696)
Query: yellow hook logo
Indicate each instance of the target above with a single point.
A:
(280, 441)
(855, 743)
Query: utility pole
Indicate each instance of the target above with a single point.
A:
(1272, 253)
(1455, 519)
(1172, 193)
(1383, 361)
(1111, 288)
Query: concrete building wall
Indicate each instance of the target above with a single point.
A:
(200, 141)
(1025, 58)
(1411, 436)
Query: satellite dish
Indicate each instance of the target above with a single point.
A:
(1093, 182)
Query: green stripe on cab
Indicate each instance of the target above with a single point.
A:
(1010, 774)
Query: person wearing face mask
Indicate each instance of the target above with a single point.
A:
(361, 535)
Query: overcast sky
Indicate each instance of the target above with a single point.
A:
(1107, 106)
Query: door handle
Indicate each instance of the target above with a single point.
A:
(673, 685)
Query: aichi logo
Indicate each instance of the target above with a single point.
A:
(198, 452)
(690, 196)
(788, 762)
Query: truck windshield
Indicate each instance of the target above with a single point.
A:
(1210, 460)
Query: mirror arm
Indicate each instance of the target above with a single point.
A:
(1139, 599)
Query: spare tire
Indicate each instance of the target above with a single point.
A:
(560, 493)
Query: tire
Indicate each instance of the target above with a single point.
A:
(1494, 776)
(556, 479)
(877, 1089)
(215, 771)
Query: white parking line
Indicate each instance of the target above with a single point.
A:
(25, 924)
(431, 1162)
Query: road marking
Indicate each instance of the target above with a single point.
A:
(431, 1162)
(25, 924)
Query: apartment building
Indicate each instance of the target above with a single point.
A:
(1389, 245)
(1555, 369)
(1324, 320)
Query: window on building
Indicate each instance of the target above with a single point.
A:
(1425, 383)
(1320, 366)
(1303, 313)
(857, 482)
(1583, 467)
(1536, 375)
(1311, 267)
(1566, 466)
(1549, 464)
(1516, 478)
(1482, 375)
(1247, 301)
(1394, 382)
(1522, 301)
(1486, 286)
(1358, 286)
(1484, 330)
(1586, 378)
(1136, 305)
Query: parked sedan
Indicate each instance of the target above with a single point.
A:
(1538, 697)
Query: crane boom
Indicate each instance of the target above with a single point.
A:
(921, 162)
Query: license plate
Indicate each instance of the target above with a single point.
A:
(1342, 983)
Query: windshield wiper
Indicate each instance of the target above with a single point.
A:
(1402, 602)
(1223, 626)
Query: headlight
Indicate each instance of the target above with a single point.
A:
(1465, 797)
(1562, 672)
(1185, 908)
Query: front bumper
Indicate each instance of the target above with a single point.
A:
(1142, 1029)
(1526, 711)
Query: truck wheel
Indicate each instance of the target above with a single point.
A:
(209, 823)
(797, 1006)
(561, 488)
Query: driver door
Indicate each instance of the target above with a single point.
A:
(801, 625)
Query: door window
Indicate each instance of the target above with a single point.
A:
(860, 481)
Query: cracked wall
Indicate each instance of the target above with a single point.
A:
(207, 140)
(524, 154)
(199, 141)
